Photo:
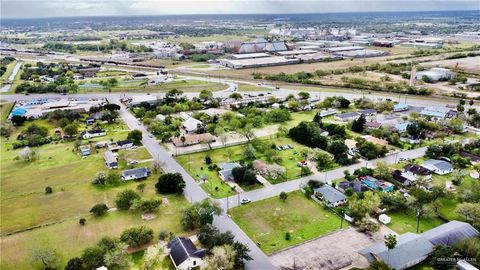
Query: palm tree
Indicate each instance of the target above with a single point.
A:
(390, 243)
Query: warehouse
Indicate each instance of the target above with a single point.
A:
(249, 56)
(360, 53)
(294, 52)
(342, 49)
(423, 45)
(316, 57)
(435, 74)
(258, 62)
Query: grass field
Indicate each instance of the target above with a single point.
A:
(182, 85)
(407, 222)
(4, 110)
(8, 72)
(267, 221)
(242, 87)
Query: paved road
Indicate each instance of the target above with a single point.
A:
(193, 192)
(326, 177)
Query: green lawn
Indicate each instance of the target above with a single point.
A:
(8, 72)
(267, 221)
(407, 222)
(141, 86)
(242, 87)
(4, 110)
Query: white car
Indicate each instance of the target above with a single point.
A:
(150, 135)
(245, 200)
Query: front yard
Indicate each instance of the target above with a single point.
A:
(266, 222)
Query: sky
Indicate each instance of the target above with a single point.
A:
(73, 8)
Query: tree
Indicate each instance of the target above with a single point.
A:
(99, 209)
(283, 196)
(249, 152)
(247, 132)
(70, 130)
(27, 154)
(47, 257)
(442, 257)
(117, 258)
(92, 257)
(360, 207)
(125, 198)
(147, 206)
(137, 236)
(368, 224)
(222, 257)
(383, 171)
(235, 96)
(18, 120)
(359, 124)
(48, 190)
(205, 94)
(109, 84)
(135, 136)
(74, 264)
(390, 243)
(153, 257)
(170, 183)
(82, 221)
(304, 95)
(141, 187)
(199, 214)
(471, 212)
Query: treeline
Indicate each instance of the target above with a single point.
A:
(4, 63)
(113, 45)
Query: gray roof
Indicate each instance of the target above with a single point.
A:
(439, 164)
(226, 169)
(450, 233)
(109, 157)
(330, 194)
(410, 248)
(137, 173)
(347, 115)
(182, 248)
(368, 111)
(191, 124)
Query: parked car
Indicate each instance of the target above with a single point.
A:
(245, 200)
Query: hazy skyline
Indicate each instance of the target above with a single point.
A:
(70, 8)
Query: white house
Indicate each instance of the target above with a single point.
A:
(438, 166)
(88, 134)
(184, 254)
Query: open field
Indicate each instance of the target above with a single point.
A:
(5, 108)
(141, 86)
(8, 72)
(267, 221)
(69, 238)
(249, 88)
(470, 64)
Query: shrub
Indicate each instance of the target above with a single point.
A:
(170, 183)
(48, 190)
(137, 236)
(99, 209)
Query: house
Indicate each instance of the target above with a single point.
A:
(402, 178)
(438, 112)
(401, 127)
(184, 254)
(416, 171)
(412, 248)
(90, 121)
(355, 185)
(125, 144)
(139, 99)
(85, 150)
(473, 158)
(375, 140)
(372, 125)
(400, 107)
(375, 184)
(135, 174)
(110, 160)
(368, 112)
(88, 134)
(438, 166)
(326, 113)
(191, 125)
(330, 195)
(226, 170)
(191, 139)
(347, 116)
(351, 145)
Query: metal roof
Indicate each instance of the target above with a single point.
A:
(182, 248)
(450, 233)
(330, 194)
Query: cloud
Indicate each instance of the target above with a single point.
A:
(61, 8)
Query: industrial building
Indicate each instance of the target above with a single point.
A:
(33, 109)
(435, 74)
(422, 45)
(258, 62)
(360, 53)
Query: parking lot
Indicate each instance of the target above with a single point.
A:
(330, 252)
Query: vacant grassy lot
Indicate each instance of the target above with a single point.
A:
(140, 86)
(69, 238)
(4, 110)
(267, 221)
(407, 222)
(242, 87)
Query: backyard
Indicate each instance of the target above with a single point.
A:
(266, 222)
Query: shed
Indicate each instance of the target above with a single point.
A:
(135, 174)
